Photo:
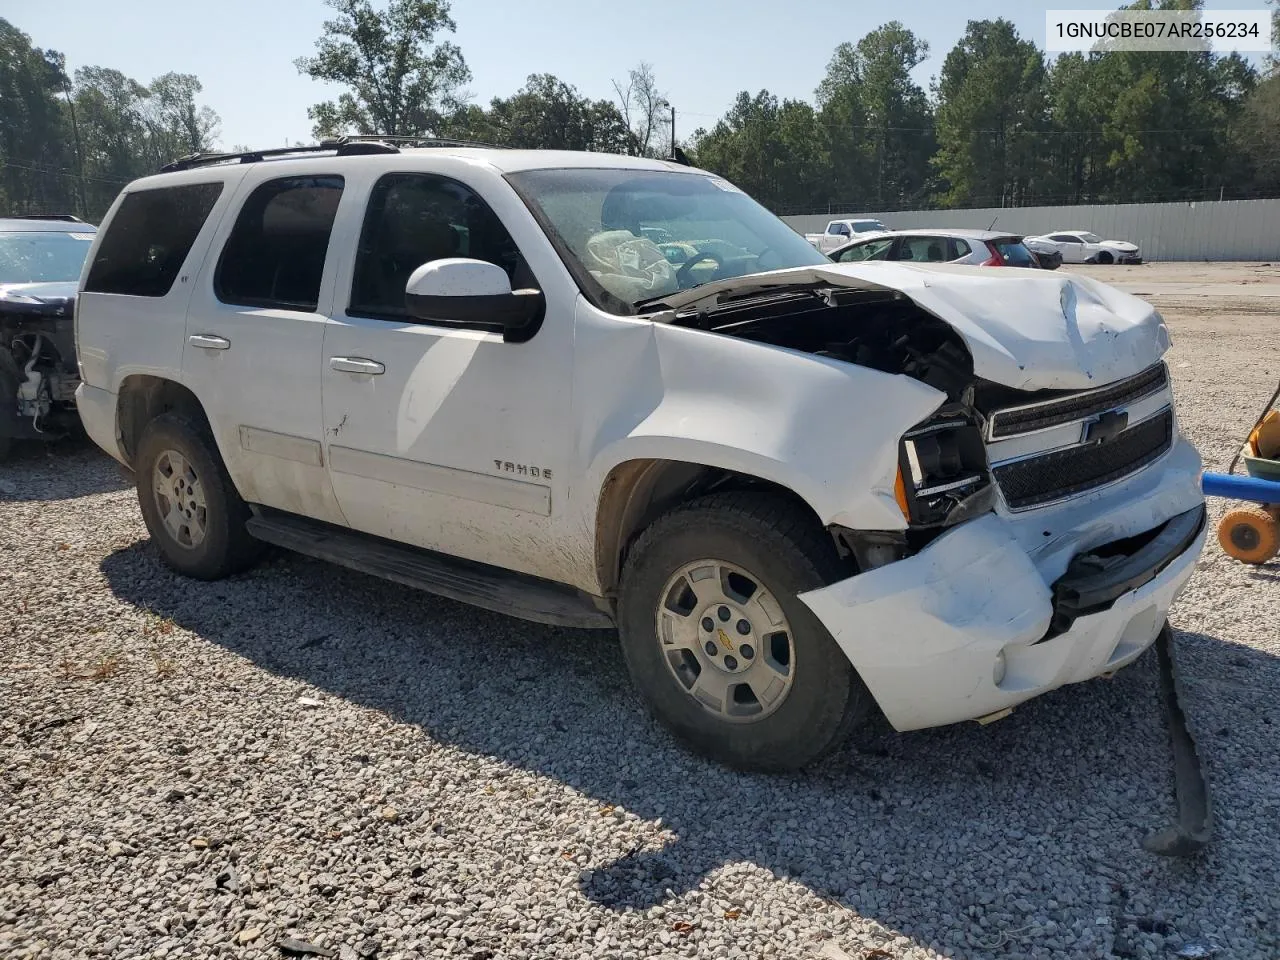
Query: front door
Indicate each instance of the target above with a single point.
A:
(444, 436)
(255, 325)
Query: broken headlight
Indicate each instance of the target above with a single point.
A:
(942, 471)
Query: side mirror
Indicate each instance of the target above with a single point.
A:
(460, 290)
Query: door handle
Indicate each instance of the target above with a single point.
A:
(207, 341)
(371, 368)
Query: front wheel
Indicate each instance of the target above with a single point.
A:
(10, 377)
(189, 504)
(722, 650)
(1105, 259)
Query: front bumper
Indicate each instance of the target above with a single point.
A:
(970, 626)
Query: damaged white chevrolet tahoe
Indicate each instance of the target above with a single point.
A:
(591, 390)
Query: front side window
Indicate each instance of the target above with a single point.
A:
(840, 229)
(601, 222)
(1091, 238)
(276, 252)
(1064, 238)
(415, 218)
(149, 238)
(871, 250)
(42, 256)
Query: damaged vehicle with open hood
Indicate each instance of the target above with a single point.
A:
(40, 262)
(601, 391)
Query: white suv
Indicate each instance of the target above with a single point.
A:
(591, 390)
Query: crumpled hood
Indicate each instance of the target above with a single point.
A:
(1025, 328)
(45, 299)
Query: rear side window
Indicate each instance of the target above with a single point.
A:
(1014, 253)
(149, 238)
(275, 254)
(959, 249)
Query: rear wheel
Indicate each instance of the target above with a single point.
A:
(724, 653)
(190, 506)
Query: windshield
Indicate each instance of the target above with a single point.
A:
(42, 256)
(632, 235)
(1091, 238)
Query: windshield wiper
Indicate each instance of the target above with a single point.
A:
(659, 300)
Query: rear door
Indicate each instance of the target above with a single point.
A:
(922, 249)
(255, 326)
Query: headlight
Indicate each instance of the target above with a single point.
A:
(942, 472)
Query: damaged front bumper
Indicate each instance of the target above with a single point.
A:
(974, 624)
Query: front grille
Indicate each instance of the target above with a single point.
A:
(1065, 473)
(1014, 421)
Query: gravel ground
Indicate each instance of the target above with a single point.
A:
(202, 770)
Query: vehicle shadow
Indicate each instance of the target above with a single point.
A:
(62, 470)
(1075, 778)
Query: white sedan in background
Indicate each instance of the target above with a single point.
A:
(1081, 246)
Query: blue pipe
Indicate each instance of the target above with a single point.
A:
(1254, 489)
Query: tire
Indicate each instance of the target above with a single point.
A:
(1250, 535)
(176, 451)
(10, 377)
(773, 543)
(1105, 259)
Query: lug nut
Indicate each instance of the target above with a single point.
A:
(743, 627)
(708, 624)
(724, 614)
(746, 651)
(731, 663)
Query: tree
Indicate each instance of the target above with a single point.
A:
(176, 125)
(991, 117)
(877, 119)
(37, 161)
(773, 150)
(549, 113)
(401, 82)
(645, 112)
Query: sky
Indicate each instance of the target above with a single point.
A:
(703, 52)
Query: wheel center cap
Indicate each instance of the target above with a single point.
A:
(728, 640)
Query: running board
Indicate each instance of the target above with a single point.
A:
(503, 591)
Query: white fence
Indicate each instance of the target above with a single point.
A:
(1210, 230)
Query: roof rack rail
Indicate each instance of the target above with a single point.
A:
(345, 146)
(61, 217)
(412, 141)
(341, 147)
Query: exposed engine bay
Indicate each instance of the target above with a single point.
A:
(944, 472)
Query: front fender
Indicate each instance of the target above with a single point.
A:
(826, 430)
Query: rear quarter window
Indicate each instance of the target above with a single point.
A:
(149, 238)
